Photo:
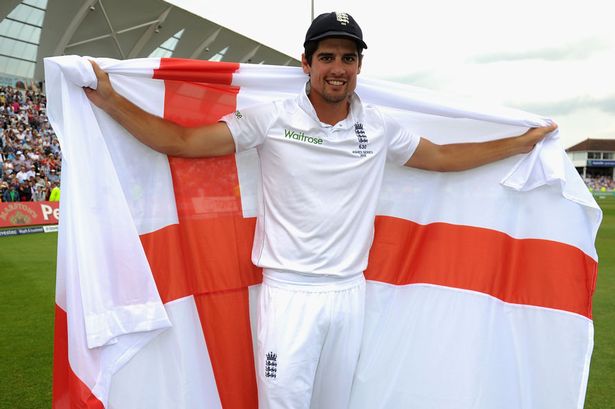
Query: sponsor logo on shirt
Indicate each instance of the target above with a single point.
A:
(301, 137)
(363, 142)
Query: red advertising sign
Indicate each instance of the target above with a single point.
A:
(14, 214)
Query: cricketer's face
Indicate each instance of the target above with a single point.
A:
(333, 72)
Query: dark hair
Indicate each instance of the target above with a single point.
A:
(311, 46)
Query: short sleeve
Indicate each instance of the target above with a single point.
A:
(401, 142)
(249, 126)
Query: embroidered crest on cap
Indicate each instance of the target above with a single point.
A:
(342, 18)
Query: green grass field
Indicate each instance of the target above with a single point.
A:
(27, 286)
(601, 386)
(27, 280)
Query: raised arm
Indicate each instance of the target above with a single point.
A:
(157, 133)
(463, 156)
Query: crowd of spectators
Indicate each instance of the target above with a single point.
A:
(600, 183)
(29, 149)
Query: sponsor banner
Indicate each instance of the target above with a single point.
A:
(16, 214)
(600, 194)
(23, 230)
(601, 163)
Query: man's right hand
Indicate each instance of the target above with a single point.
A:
(104, 93)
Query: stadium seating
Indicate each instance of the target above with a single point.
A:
(29, 149)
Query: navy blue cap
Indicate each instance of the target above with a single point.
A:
(334, 24)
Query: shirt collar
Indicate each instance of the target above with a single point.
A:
(355, 113)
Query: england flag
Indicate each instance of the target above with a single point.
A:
(479, 282)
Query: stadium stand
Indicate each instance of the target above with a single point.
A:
(600, 183)
(29, 149)
(594, 159)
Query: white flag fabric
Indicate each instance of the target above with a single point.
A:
(479, 282)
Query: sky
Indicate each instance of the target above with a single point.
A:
(555, 58)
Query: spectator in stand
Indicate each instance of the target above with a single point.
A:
(11, 194)
(55, 146)
(20, 157)
(8, 169)
(53, 176)
(24, 174)
(25, 192)
(41, 181)
(11, 154)
(45, 164)
(32, 185)
(3, 188)
(39, 193)
(54, 196)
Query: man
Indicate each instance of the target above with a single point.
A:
(25, 191)
(4, 187)
(24, 173)
(39, 193)
(53, 176)
(54, 194)
(322, 161)
(11, 194)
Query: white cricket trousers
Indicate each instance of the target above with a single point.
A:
(308, 340)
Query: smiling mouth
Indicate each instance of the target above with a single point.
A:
(336, 82)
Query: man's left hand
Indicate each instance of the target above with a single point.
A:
(534, 135)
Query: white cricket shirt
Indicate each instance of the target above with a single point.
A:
(319, 183)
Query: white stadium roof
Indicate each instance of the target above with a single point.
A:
(31, 30)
